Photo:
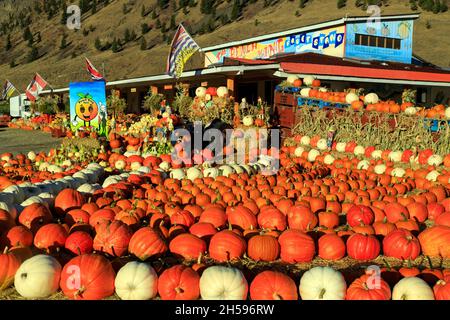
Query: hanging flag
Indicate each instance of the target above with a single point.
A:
(95, 74)
(8, 90)
(35, 87)
(182, 48)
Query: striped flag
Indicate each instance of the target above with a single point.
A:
(95, 74)
(8, 90)
(35, 87)
(182, 48)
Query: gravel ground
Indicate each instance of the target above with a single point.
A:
(23, 141)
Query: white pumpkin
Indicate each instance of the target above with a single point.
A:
(177, 174)
(363, 165)
(136, 281)
(86, 188)
(247, 121)
(110, 181)
(305, 92)
(435, 160)
(359, 151)
(395, 156)
(447, 113)
(340, 147)
(322, 89)
(144, 169)
(19, 196)
(54, 169)
(31, 155)
(33, 199)
(298, 151)
(135, 166)
(322, 144)
(291, 79)
(48, 198)
(411, 111)
(351, 97)
(398, 172)
(432, 175)
(200, 92)
(412, 288)
(380, 169)
(222, 92)
(120, 164)
(376, 154)
(371, 98)
(328, 159)
(237, 168)
(38, 277)
(193, 173)
(225, 170)
(164, 166)
(308, 80)
(322, 283)
(211, 172)
(312, 155)
(222, 283)
(305, 140)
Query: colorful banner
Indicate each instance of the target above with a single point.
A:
(88, 106)
(329, 41)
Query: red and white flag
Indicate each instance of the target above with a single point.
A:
(35, 87)
(95, 74)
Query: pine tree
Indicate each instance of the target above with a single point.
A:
(444, 6)
(115, 46)
(236, 11)
(158, 23)
(64, 14)
(437, 7)
(63, 44)
(30, 42)
(154, 14)
(94, 7)
(8, 43)
(27, 34)
(98, 44)
(124, 8)
(143, 44)
(192, 3)
(127, 35)
(173, 24)
(341, 4)
(303, 3)
(145, 28)
(12, 64)
(143, 11)
(33, 55)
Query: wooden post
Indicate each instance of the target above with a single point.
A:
(230, 86)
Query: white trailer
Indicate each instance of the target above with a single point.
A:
(19, 106)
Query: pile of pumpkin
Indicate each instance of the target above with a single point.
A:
(183, 228)
(368, 102)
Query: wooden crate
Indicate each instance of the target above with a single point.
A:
(287, 99)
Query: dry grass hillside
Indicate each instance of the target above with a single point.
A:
(60, 66)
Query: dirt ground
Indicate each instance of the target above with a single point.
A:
(23, 141)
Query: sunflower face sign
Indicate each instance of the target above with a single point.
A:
(88, 106)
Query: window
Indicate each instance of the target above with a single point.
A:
(379, 42)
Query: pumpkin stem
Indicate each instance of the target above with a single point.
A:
(5, 251)
(429, 261)
(322, 293)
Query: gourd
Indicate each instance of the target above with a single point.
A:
(38, 277)
(223, 283)
(412, 288)
(136, 281)
(322, 283)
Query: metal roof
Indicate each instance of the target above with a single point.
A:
(323, 25)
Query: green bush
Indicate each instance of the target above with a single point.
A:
(4, 107)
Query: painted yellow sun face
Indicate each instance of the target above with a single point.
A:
(86, 109)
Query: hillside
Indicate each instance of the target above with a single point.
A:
(104, 30)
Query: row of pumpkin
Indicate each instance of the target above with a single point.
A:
(92, 277)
